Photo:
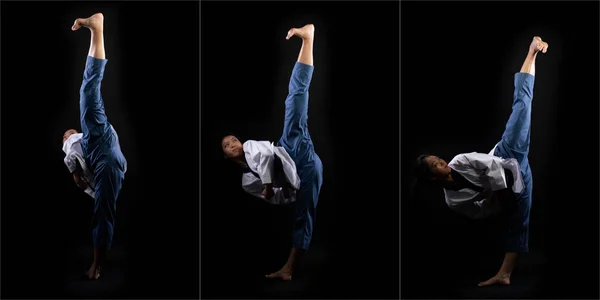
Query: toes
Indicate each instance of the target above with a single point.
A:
(487, 282)
(289, 34)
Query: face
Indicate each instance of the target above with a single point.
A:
(68, 134)
(232, 147)
(437, 166)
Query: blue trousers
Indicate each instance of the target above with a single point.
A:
(515, 144)
(102, 153)
(298, 144)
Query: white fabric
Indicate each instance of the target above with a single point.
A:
(74, 153)
(493, 149)
(486, 171)
(260, 159)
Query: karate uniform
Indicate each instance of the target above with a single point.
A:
(260, 157)
(74, 156)
(102, 153)
(301, 164)
(488, 171)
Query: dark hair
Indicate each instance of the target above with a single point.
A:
(221, 136)
(421, 175)
(228, 133)
(421, 169)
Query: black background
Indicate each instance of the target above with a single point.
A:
(353, 121)
(151, 95)
(458, 62)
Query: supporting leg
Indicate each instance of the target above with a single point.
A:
(311, 177)
(108, 186)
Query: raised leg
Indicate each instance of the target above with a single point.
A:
(516, 137)
(295, 127)
(94, 123)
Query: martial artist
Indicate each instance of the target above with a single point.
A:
(290, 171)
(103, 166)
(479, 185)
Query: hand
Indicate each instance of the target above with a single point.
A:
(268, 191)
(79, 181)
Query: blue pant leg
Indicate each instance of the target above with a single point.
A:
(298, 144)
(518, 233)
(515, 144)
(516, 137)
(109, 176)
(295, 137)
(311, 177)
(94, 124)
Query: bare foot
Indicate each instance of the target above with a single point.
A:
(306, 32)
(498, 279)
(93, 273)
(95, 22)
(538, 45)
(281, 274)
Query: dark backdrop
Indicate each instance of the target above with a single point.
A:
(353, 121)
(150, 92)
(458, 62)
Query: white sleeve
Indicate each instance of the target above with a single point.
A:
(90, 192)
(252, 186)
(486, 165)
(71, 162)
(262, 154)
(462, 204)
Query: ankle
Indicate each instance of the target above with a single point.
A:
(533, 53)
(307, 39)
(287, 269)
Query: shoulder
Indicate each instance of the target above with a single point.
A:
(254, 145)
(460, 158)
(469, 156)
